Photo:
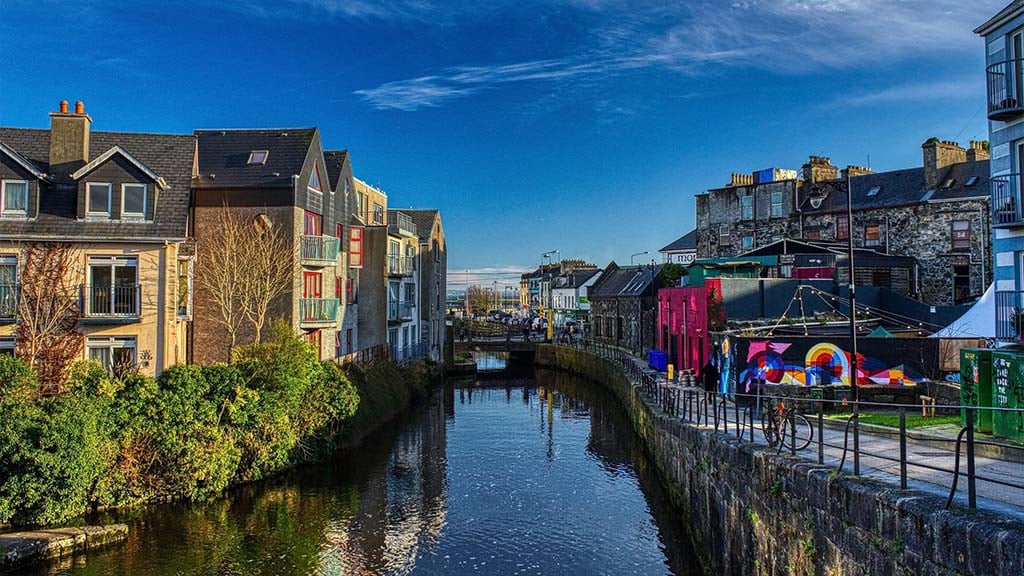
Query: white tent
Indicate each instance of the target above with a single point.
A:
(978, 322)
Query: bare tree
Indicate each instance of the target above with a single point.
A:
(48, 312)
(220, 271)
(478, 299)
(267, 273)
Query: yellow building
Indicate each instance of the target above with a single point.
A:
(110, 209)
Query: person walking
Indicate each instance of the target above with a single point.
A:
(709, 376)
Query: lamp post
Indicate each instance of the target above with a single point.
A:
(637, 254)
(816, 197)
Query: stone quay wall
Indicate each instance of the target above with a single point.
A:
(752, 511)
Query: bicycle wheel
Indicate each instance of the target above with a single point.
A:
(799, 435)
(769, 428)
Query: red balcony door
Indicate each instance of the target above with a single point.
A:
(311, 285)
(312, 224)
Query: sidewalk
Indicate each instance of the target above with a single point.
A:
(929, 466)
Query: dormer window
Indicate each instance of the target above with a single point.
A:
(97, 200)
(14, 198)
(314, 179)
(258, 157)
(133, 201)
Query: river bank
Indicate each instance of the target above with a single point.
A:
(753, 511)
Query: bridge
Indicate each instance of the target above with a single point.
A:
(497, 344)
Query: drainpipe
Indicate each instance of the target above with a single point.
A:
(981, 225)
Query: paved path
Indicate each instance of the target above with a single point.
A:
(880, 459)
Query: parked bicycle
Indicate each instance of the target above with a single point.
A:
(783, 425)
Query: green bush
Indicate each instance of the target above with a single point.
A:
(188, 434)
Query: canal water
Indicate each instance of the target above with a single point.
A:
(536, 475)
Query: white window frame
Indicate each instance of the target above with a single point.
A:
(88, 198)
(265, 153)
(8, 344)
(3, 199)
(145, 201)
(110, 343)
(747, 243)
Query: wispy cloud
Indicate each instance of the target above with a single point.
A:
(786, 36)
(956, 89)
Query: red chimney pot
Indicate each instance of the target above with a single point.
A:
(63, 106)
(79, 107)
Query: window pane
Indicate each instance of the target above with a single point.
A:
(134, 199)
(99, 198)
(101, 355)
(16, 196)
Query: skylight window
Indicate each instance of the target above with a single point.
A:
(258, 157)
(874, 191)
(971, 181)
(950, 183)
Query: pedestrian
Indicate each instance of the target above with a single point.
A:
(709, 377)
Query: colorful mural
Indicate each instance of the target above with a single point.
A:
(811, 362)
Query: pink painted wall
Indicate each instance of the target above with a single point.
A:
(683, 326)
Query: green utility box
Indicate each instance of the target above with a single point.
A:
(1008, 392)
(976, 386)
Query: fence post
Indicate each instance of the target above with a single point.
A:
(856, 438)
(736, 413)
(972, 496)
(903, 448)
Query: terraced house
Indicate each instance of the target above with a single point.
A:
(93, 230)
(277, 179)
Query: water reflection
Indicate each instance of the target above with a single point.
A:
(545, 478)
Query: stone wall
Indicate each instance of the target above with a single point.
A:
(752, 511)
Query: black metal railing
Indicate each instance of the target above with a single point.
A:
(1004, 90)
(1009, 314)
(408, 354)
(1006, 201)
(802, 429)
(120, 301)
(8, 301)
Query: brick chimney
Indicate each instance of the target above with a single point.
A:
(937, 155)
(855, 171)
(978, 151)
(69, 139)
(819, 169)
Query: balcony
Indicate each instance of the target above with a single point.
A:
(319, 250)
(399, 312)
(1005, 90)
(401, 265)
(318, 311)
(8, 303)
(1009, 315)
(1006, 201)
(115, 304)
(402, 225)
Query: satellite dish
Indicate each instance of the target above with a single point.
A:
(262, 223)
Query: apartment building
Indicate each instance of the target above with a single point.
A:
(110, 209)
(433, 279)
(403, 285)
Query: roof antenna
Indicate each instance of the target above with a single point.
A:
(869, 161)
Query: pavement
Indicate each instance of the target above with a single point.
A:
(930, 463)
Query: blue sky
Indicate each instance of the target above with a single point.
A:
(584, 125)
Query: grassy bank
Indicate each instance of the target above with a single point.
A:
(189, 434)
(893, 420)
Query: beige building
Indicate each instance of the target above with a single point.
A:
(113, 207)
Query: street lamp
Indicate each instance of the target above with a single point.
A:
(637, 254)
(816, 197)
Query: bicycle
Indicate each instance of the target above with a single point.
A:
(783, 425)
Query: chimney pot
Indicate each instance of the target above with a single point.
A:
(63, 106)
(79, 107)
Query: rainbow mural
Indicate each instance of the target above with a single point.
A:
(819, 364)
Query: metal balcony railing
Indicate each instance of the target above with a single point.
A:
(1004, 90)
(117, 302)
(400, 311)
(319, 249)
(401, 265)
(402, 224)
(1006, 201)
(1009, 314)
(318, 310)
(8, 301)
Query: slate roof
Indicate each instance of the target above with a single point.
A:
(687, 242)
(424, 221)
(575, 279)
(903, 187)
(224, 156)
(625, 281)
(334, 161)
(169, 156)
